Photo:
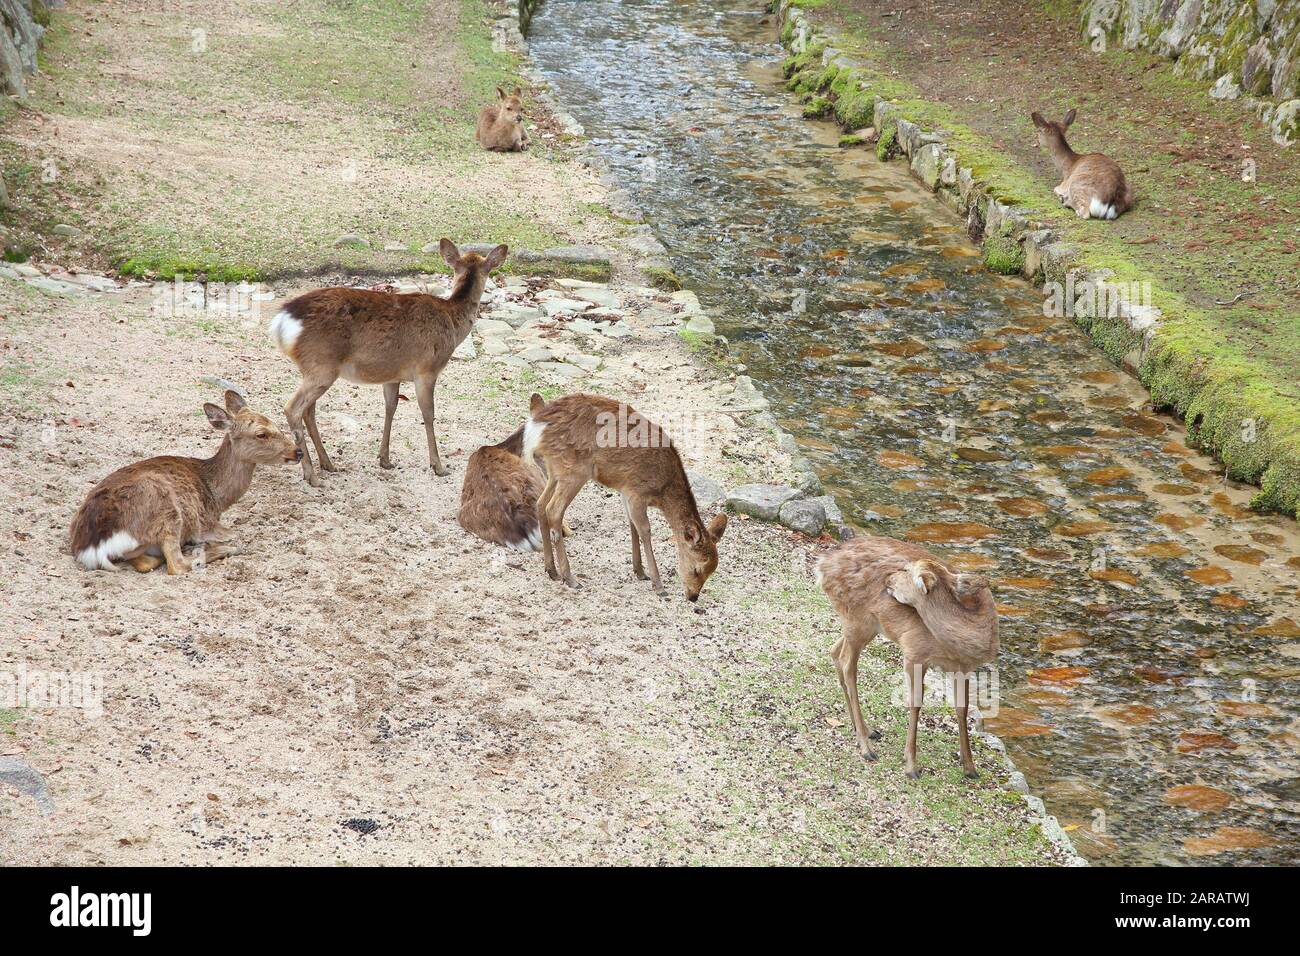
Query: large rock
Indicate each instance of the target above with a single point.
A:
(804, 515)
(20, 36)
(760, 500)
(707, 491)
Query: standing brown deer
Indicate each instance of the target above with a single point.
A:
(378, 338)
(1091, 184)
(588, 437)
(934, 615)
(144, 513)
(501, 124)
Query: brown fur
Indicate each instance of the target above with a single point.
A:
(381, 338)
(166, 502)
(935, 615)
(498, 501)
(1083, 178)
(647, 475)
(501, 125)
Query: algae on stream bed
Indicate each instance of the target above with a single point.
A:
(1149, 666)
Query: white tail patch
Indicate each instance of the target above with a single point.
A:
(532, 436)
(285, 330)
(1100, 210)
(100, 557)
(531, 543)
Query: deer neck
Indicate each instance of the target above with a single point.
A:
(226, 476)
(464, 299)
(678, 505)
(1063, 156)
(944, 615)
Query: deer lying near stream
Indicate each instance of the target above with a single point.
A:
(145, 513)
(934, 615)
(588, 437)
(1092, 185)
(378, 338)
(501, 125)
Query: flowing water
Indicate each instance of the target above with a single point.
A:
(1150, 635)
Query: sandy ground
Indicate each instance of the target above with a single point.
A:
(366, 683)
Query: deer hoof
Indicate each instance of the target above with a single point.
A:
(554, 574)
(971, 774)
(913, 774)
(874, 735)
(386, 464)
(869, 755)
(442, 471)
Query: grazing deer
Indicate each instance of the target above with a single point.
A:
(1092, 185)
(589, 437)
(501, 125)
(498, 501)
(378, 338)
(934, 615)
(144, 513)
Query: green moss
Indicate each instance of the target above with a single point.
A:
(855, 108)
(1004, 255)
(817, 108)
(661, 278)
(164, 266)
(887, 144)
(850, 139)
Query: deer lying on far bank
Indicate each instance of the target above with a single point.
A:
(589, 437)
(501, 125)
(1092, 185)
(935, 616)
(145, 513)
(378, 338)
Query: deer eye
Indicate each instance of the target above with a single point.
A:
(263, 434)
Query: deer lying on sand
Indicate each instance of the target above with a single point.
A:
(1092, 185)
(501, 125)
(934, 615)
(589, 437)
(144, 513)
(378, 338)
(498, 501)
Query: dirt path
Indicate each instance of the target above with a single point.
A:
(366, 683)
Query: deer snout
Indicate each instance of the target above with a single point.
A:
(692, 597)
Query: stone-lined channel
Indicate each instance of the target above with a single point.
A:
(1151, 644)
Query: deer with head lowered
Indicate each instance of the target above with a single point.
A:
(378, 338)
(146, 512)
(935, 615)
(586, 438)
(1092, 185)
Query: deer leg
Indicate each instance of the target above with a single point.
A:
(424, 392)
(637, 569)
(544, 527)
(641, 523)
(306, 395)
(309, 418)
(850, 647)
(961, 702)
(171, 549)
(560, 499)
(391, 391)
(915, 672)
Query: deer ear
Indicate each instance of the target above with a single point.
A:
(692, 531)
(718, 526)
(966, 585)
(501, 93)
(449, 252)
(535, 402)
(1038, 119)
(218, 417)
(1069, 118)
(519, 92)
(496, 257)
(235, 402)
